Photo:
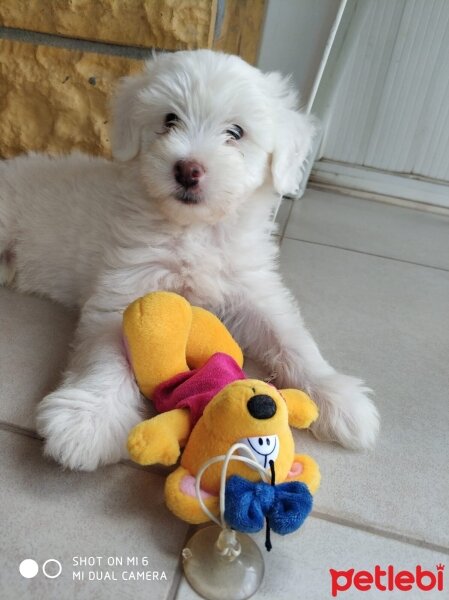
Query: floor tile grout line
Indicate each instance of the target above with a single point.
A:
(153, 469)
(286, 220)
(380, 532)
(380, 199)
(178, 576)
(399, 260)
(27, 432)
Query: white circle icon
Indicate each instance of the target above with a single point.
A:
(28, 568)
(52, 575)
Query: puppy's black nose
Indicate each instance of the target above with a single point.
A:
(261, 406)
(188, 173)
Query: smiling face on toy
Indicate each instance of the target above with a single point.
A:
(264, 448)
(247, 411)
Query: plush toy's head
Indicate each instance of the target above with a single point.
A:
(248, 411)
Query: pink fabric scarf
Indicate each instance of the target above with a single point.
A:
(195, 389)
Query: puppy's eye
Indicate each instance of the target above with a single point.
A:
(171, 120)
(235, 132)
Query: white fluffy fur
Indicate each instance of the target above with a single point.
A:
(97, 234)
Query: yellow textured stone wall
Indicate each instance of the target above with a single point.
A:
(56, 100)
(169, 24)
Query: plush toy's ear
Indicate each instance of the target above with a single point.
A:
(293, 136)
(302, 410)
(126, 126)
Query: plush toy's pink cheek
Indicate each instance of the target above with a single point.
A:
(297, 469)
(187, 487)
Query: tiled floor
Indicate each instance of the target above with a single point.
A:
(373, 282)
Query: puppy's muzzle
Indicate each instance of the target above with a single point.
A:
(188, 173)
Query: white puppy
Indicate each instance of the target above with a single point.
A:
(181, 208)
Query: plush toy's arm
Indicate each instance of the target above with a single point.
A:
(302, 410)
(159, 440)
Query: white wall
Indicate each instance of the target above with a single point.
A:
(294, 37)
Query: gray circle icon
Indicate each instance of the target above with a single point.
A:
(51, 575)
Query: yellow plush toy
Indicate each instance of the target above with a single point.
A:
(187, 362)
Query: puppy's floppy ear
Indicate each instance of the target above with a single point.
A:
(126, 128)
(293, 136)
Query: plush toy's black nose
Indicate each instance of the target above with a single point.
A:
(261, 406)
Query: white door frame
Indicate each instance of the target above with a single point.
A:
(379, 184)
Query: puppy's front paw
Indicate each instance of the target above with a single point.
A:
(347, 414)
(78, 430)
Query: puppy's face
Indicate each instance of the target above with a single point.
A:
(206, 127)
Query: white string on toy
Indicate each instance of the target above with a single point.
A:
(226, 458)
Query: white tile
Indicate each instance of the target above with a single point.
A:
(34, 344)
(373, 227)
(387, 322)
(47, 513)
(298, 565)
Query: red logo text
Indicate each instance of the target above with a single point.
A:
(387, 579)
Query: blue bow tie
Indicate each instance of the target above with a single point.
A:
(247, 504)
